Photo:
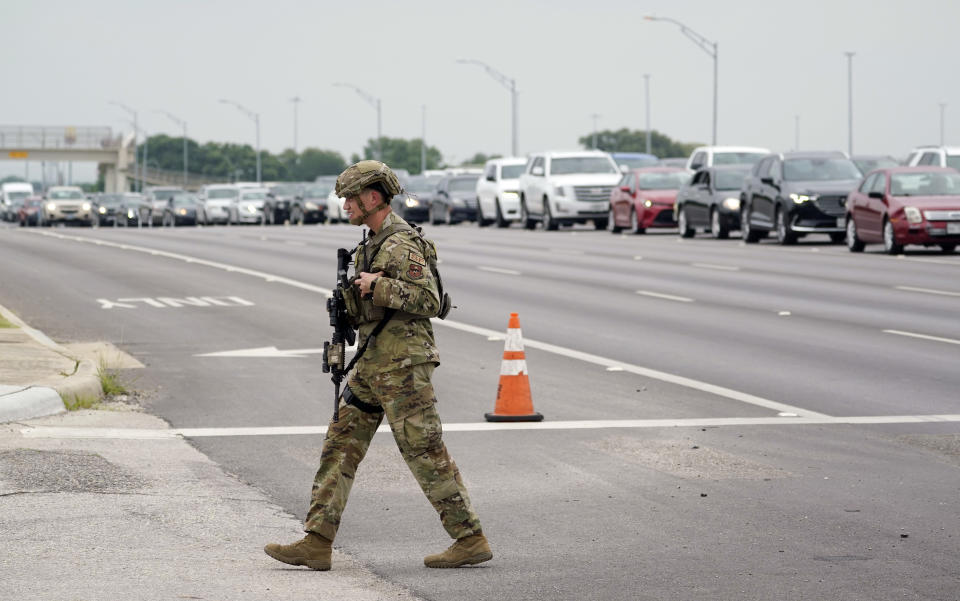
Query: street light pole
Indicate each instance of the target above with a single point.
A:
(182, 124)
(136, 154)
(850, 102)
(707, 46)
(510, 84)
(646, 87)
(256, 119)
(375, 103)
(296, 102)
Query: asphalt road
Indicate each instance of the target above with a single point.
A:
(810, 441)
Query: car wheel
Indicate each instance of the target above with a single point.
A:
(785, 235)
(683, 224)
(501, 222)
(948, 248)
(854, 243)
(746, 230)
(481, 222)
(612, 222)
(635, 223)
(167, 220)
(448, 216)
(717, 227)
(549, 223)
(296, 216)
(599, 224)
(525, 219)
(890, 239)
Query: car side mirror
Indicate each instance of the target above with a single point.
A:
(625, 189)
(696, 166)
(767, 180)
(536, 171)
(876, 195)
(491, 178)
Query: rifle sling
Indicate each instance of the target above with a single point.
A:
(387, 316)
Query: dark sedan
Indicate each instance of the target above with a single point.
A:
(414, 203)
(108, 209)
(905, 205)
(711, 201)
(455, 199)
(280, 199)
(311, 205)
(797, 193)
(183, 209)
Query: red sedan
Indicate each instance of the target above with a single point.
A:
(905, 205)
(644, 199)
(30, 211)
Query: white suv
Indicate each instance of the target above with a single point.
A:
(567, 187)
(708, 156)
(936, 156)
(497, 197)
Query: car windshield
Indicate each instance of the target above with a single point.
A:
(464, 184)
(18, 195)
(184, 200)
(223, 193)
(729, 180)
(570, 165)
(66, 195)
(512, 171)
(421, 184)
(669, 180)
(953, 160)
(867, 165)
(936, 183)
(317, 191)
(822, 170)
(253, 195)
(285, 190)
(110, 199)
(637, 162)
(737, 158)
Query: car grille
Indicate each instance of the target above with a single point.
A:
(664, 217)
(592, 193)
(942, 215)
(832, 204)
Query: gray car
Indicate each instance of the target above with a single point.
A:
(711, 201)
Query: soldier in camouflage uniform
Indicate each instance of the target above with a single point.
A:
(392, 380)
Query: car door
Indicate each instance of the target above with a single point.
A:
(487, 190)
(764, 193)
(622, 197)
(536, 190)
(870, 221)
(857, 201)
(699, 213)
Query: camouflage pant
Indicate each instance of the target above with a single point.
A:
(406, 397)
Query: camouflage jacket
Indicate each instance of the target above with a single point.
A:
(407, 285)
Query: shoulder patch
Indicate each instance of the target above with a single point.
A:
(417, 258)
(414, 271)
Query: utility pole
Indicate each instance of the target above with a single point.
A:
(296, 101)
(510, 84)
(646, 87)
(850, 102)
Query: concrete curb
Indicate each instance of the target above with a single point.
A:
(46, 396)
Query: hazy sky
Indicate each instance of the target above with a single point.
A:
(63, 62)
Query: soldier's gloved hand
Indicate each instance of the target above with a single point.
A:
(365, 282)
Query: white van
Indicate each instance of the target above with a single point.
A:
(11, 191)
(498, 196)
(220, 202)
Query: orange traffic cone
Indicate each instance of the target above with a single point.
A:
(513, 394)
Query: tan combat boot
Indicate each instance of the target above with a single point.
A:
(312, 551)
(465, 551)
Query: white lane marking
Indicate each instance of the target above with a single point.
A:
(637, 257)
(681, 299)
(922, 336)
(715, 266)
(550, 348)
(783, 313)
(566, 251)
(498, 270)
(927, 290)
(696, 422)
(641, 371)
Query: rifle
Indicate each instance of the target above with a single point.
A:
(334, 351)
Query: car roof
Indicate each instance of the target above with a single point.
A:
(918, 169)
(737, 167)
(825, 154)
(659, 169)
(561, 154)
(947, 149)
(731, 149)
(506, 161)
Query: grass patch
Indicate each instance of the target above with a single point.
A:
(81, 402)
(5, 324)
(110, 380)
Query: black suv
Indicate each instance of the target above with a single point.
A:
(797, 193)
(280, 199)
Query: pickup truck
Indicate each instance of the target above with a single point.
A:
(562, 188)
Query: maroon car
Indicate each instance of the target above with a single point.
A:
(644, 199)
(905, 205)
(30, 211)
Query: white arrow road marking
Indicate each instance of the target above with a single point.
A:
(697, 422)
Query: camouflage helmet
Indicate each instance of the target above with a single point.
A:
(364, 174)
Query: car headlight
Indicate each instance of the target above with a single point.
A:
(85, 206)
(51, 206)
(250, 209)
(732, 204)
(411, 202)
(802, 198)
(647, 202)
(102, 210)
(559, 191)
(130, 214)
(457, 202)
(913, 215)
(510, 196)
(182, 211)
